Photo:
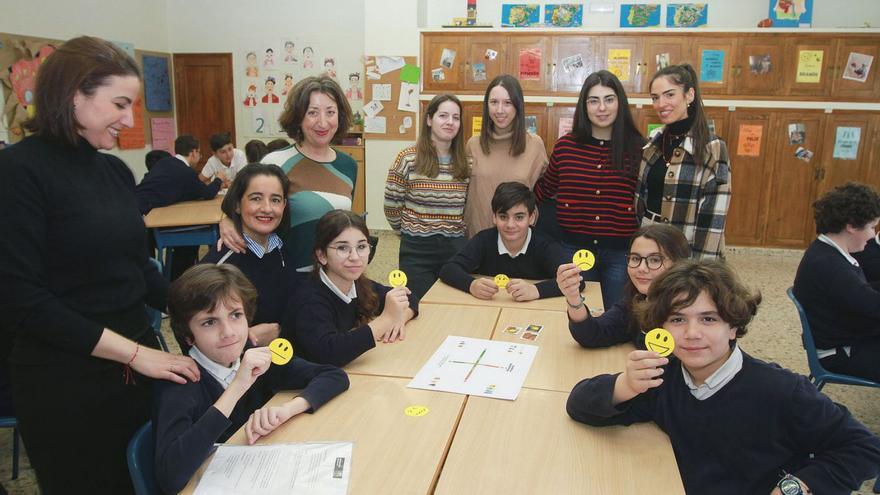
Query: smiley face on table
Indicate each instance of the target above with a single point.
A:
(282, 351)
(584, 259)
(397, 278)
(660, 341)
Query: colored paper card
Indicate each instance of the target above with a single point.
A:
(157, 84)
(846, 145)
(686, 15)
(712, 66)
(858, 65)
(791, 13)
(809, 69)
(619, 62)
(639, 15)
(410, 73)
(162, 131)
(134, 138)
(375, 125)
(565, 126)
(520, 14)
(564, 15)
(530, 64)
(476, 125)
(749, 140)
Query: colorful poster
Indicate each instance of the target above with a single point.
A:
(858, 65)
(162, 131)
(476, 125)
(846, 145)
(565, 126)
(809, 69)
(639, 15)
(135, 137)
(564, 15)
(791, 13)
(749, 140)
(157, 84)
(520, 14)
(530, 64)
(619, 62)
(686, 15)
(712, 66)
(410, 73)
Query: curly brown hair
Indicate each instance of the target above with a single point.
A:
(297, 104)
(850, 204)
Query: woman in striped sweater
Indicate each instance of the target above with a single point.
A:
(425, 195)
(592, 173)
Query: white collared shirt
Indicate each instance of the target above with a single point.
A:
(346, 298)
(274, 242)
(183, 159)
(502, 249)
(717, 380)
(827, 240)
(221, 373)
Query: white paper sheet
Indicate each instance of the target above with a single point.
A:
(409, 97)
(382, 92)
(388, 64)
(375, 125)
(373, 108)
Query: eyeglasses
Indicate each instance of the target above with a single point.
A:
(344, 250)
(654, 261)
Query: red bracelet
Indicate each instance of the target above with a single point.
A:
(137, 347)
(126, 370)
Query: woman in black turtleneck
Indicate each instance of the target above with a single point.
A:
(684, 177)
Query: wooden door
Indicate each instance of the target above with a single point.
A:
(872, 175)
(847, 152)
(713, 61)
(622, 56)
(443, 57)
(204, 97)
(792, 188)
(855, 72)
(530, 61)
(759, 66)
(471, 110)
(574, 58)
(807, 65)
(660, 51)
(558, 114)
(536, 122)
(718, 118)
(486, 59)
(751, 168)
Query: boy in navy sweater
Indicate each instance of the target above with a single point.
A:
(511, 248)
(172, 180)
(210, 306)
(737, 424)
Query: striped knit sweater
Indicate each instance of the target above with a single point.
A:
(595, 204)
(421, 206)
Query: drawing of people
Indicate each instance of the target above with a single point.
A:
(330, 68)
(308, 54)
(269, 59)
(270, 96)
(251, 99)
(354, 91)
(289, 57)
(288, 84)
(252, 69)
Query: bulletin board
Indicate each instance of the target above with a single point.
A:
(400, 125)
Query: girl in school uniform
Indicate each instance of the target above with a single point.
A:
(592, 173)
(653, 249)
(257, 204)
(339, 313)
(503, 152)
(425, 195)
(684, 177)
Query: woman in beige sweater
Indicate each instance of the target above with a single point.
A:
(503, 152)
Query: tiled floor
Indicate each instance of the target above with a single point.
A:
(774, 336)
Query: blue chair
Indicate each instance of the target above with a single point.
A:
(154, 316)
(141, 456)
(11, 422)
(818, 374)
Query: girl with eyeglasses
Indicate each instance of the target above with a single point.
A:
(652, 250)
(339, 313)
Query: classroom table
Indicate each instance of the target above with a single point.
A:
(188, 223)
(531, 446)
(441, 293)
(423, 336)
(560, 362)
(393, 452)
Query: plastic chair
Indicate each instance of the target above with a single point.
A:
(11, 422)
(141, 456)
(154, 316)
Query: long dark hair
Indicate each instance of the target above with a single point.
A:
(232, 202)
(686, 77)
(427, 161)
(331, 226)
(626, 140)
(514, 90)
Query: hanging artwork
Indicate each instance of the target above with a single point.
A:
(791, 13)
(157, 84)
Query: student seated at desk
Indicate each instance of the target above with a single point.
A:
(511, 248)
(225, 162)
(172, 179)
(210, 306)
(338, 313)
(652, 250)
(737, 424)
(869, 260)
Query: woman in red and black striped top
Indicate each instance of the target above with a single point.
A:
(592, 173)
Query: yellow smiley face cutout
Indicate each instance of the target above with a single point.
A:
(660, 341)
(584, 259)
(501, 280)
(282, 351)
(397, 279)
(416, 411)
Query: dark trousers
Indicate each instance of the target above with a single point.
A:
(863, 361)
(422, 257)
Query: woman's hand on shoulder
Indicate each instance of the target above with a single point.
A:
(165, 366)
(230, 237)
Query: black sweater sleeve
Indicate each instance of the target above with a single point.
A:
(194, 188)
(590, 403)
(319, 382)
(610, 328)
(457, 271)
(550, 255)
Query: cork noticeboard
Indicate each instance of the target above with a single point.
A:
(399, 124)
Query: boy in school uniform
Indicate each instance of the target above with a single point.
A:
(225, 162)
(737, 424)
(210, 306)
(511, 248)
(172, 179)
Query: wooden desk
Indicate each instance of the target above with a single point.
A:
(393, 453)
(531, 446)
(561, 362)
(423, 336)
(185, 214)
(440, 293)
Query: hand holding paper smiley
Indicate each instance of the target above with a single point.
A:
(282, 351)
(660, 341)
(397, 279)
(501, 280)
(584, 259)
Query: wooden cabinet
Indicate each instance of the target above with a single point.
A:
(759, 67)
(660, 51)
(807, 61)
(471, 110)
(530, 61)
(559, 118)
(855, 76)
(358, 203)
(622, 56)
(536, 120)
(438, 77)
(751, 164)
(479, 67)
(574, 58)
(713, 60)
(846, 155)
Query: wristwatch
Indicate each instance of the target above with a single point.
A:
(575, 306)
(788, 485)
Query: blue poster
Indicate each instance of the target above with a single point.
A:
(686, 15)
(520, 14)
(712, 66)
(639, 15)
(564, 15)
(157, 85)
(846, 144)
(791, 13)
